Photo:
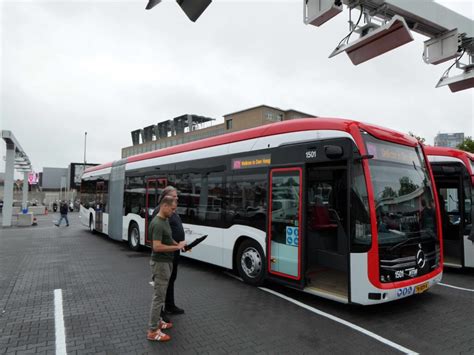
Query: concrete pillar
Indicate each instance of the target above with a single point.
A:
(24, 203)
(8, 188)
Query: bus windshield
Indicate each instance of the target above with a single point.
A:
(405, 208)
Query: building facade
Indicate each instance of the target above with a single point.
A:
(188, 128)
(451, 140)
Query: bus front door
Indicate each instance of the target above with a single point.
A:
(154, 187)
(327, 245)
(99, 206)
(450, 197)
(284, 244)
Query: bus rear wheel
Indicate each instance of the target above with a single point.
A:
(134, 237)
(251, 263)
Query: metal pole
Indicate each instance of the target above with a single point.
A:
(85, 144)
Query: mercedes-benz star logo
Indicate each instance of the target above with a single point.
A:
(420, 259)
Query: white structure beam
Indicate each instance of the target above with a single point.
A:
(8, 187)
(425, 17)
(15, 158)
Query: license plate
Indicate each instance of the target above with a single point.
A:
(421, 288)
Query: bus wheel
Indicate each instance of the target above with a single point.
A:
(134, 237)
(251, 262)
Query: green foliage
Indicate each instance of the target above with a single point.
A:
(388, 192)
(406, 186)
(467, 145)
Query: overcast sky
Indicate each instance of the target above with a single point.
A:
(109, 67)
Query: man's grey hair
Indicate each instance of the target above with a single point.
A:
(166, 192)
(167, 201)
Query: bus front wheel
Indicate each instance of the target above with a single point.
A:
(134, 237)
(251, 262)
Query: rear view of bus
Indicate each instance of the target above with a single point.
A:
(453, 172)
(407, 259)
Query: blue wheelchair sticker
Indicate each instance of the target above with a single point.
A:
(292, 236)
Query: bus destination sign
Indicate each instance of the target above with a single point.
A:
(392, 153)
(256, 161)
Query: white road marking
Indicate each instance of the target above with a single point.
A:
(59, 323)
(344, 322)
(456, 287)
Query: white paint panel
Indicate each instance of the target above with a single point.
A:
(230, 237)
(297, 137)
(239, 147)
(441, 159)
(105, 223)
(141, 226)
(180, 157)
(218, 247)
(468, 252)
(361, 285)
(103, 172)
(209, 250)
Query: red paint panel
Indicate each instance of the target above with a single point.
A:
(466, 157)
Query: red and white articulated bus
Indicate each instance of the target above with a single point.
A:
(337, 208)
(453, 172)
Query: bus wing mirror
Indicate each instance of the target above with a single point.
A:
(333, 151)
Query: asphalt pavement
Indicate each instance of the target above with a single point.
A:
(106, 299)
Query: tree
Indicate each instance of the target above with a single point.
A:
(467, 145)
(388, 192)
(418, 138)
(406, 186)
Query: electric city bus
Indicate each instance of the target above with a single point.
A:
(453, 172)
(337, 208)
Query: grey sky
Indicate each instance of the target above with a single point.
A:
(109, 67)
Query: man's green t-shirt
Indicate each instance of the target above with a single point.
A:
(160, 229)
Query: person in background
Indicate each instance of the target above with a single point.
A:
(63, 210)
(178, 236)
(161, 263)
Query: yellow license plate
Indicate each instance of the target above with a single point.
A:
(421, 288)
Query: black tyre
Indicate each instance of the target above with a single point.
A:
(251, 262)
(134, 237)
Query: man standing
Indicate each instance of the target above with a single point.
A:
(161, 266)
(177, 231)
(63, 211)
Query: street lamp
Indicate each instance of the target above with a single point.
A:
(85, 144)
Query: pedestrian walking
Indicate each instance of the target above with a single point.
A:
(161, 263)
(63, 210)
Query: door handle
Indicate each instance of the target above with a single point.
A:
(273, 260)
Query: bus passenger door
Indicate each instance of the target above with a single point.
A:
(99, 206)
(153, 190)
(452, 211)
(284, 244)
(327, 244)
